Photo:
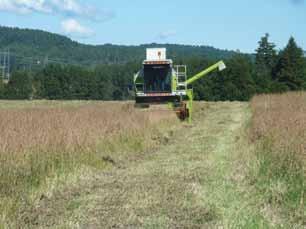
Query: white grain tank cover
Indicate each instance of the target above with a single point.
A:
(154, 54)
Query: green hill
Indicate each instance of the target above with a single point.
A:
(29, 46)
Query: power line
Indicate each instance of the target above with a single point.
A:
(8, 65)
(10, 60)
(43, 59)
(5, 64)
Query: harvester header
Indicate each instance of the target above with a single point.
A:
(159, 81)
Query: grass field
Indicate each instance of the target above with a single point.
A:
(279, 132)
(44, 140)
(108, 165)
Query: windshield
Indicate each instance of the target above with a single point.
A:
(157, 78)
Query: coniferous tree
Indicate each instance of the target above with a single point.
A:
(265, 60)
(290, 69)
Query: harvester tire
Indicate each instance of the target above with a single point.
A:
(183, 112)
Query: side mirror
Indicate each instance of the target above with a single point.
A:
(130, 87)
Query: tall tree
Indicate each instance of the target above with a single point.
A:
(20, 86)
(51, 85)
(290, 69)
(238, 81)
(235, 83)
(265, 60)
(2, 89)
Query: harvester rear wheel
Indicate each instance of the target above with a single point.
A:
(183, 111)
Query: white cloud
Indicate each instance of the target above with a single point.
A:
(71, 7)
(24, 6)
(66, 7)
(166, 34)
(73, 28)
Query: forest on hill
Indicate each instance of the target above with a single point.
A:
(268, 70)
(39, 48)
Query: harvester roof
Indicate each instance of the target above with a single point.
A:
(157, 56)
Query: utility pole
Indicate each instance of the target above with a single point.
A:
(5, 64)
(8, 65)
(46, 60)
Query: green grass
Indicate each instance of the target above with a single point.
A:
(27, 182)
(280, 181)
(278, 133)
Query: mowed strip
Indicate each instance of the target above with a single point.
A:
(194, 180)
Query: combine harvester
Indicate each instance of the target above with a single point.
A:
(159, 82)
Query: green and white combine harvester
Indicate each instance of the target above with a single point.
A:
(161, 82)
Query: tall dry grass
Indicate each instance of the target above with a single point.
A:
(279, 131)
(70, 128)
(282, 119)
(41, 142)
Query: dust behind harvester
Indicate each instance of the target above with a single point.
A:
(161, 82)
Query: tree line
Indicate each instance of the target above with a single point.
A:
(268, 71)
(35, 48)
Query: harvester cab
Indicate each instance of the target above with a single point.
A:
(161, 82)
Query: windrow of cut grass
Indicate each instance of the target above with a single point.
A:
(279, 131)
(42, 143)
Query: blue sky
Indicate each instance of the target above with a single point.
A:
(236, 24)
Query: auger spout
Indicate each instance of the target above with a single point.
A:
(220, 65)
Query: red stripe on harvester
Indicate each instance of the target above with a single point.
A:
(158, 94)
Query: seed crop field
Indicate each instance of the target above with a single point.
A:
(108, 165)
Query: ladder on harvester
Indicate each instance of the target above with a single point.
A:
(181, 72)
